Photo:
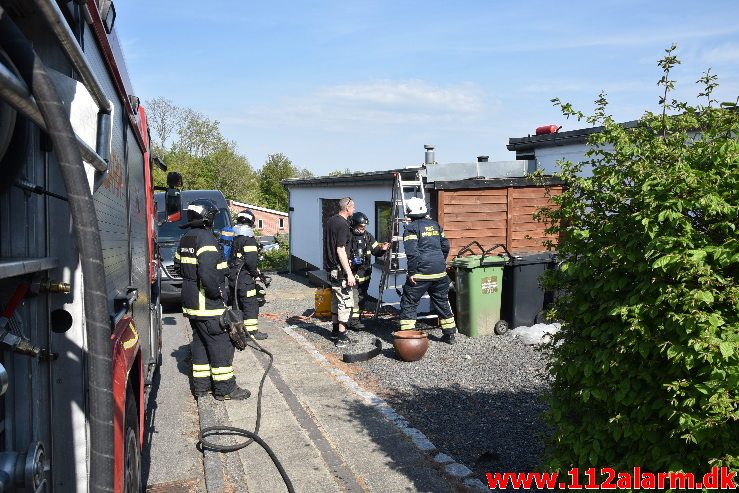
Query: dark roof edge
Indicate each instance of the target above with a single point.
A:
(495, 183)
(369, 177)
(570, 137)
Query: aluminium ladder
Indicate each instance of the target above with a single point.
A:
(395, 261)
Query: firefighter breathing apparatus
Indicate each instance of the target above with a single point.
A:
(251, 436)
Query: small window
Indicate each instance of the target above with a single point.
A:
(382, 221)
(282, 223)
(260, 223)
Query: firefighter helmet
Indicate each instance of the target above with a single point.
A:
(245, 217)
(415, 208)
(358, 219)
(202, 210)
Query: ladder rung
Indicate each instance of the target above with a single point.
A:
(426, 316)
(411, 184)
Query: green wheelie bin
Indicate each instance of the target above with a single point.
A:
(478, 285)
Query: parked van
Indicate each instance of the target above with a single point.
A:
(170, 233)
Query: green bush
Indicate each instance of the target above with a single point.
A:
(276, 260)
(645, 371)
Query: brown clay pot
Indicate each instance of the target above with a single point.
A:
(410, 345)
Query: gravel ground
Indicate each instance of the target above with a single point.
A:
(478, 400)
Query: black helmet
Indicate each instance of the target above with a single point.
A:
(245, 217)
(203, 211)
(358, 219)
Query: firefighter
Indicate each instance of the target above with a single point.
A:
(363, 246)
(426, 249)
(203, 270)
(243, 265)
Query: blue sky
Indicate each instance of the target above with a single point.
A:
(364, 85)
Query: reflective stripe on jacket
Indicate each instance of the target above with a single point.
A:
(203, 271)
(426, 249)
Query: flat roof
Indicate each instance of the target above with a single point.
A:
(494, 183)
(256, 207)
(570, 137)
(363, 177)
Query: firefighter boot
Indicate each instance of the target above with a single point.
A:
(237, 394)
(448, 338)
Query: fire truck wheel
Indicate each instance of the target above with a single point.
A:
(131, 450)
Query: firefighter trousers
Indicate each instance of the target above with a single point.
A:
(249, 305)
(438, 290)
(212, 357)
(359, 292)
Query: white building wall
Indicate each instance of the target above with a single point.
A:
(306, 228)
(547, 157)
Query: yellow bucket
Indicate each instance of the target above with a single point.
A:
(323, 302)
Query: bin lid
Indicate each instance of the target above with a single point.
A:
(473, 261)
(533, 258)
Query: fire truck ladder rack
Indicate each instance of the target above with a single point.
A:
(395, 261)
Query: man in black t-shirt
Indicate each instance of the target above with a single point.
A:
(336, 239)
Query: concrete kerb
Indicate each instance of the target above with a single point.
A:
(452, 468)
(223, 472)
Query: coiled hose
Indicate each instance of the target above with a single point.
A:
(87, 237)
(251, 436)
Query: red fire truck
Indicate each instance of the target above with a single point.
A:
(81, 321)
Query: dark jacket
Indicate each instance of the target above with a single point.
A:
(426, 248)
(200, 262)
(243, 261)
(363, 247)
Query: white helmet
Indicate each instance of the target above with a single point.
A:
(415, 208)
(245, 217)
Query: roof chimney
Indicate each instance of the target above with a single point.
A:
(430, 156)
(482, 159)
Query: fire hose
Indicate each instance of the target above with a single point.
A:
(205, 433)
(251, 436)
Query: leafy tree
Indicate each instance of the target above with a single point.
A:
(338, 172)
(233, 175)
(646, 368)
(277, 168)
(164, 118)
(198, 135)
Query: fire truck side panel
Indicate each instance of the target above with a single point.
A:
(140, 277)
(69, 377)
(23, 233)
(111, 197)
(68, 443)
(46, 400)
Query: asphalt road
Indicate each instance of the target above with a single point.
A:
(171, 461)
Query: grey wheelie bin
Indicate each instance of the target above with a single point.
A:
(523, 297)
